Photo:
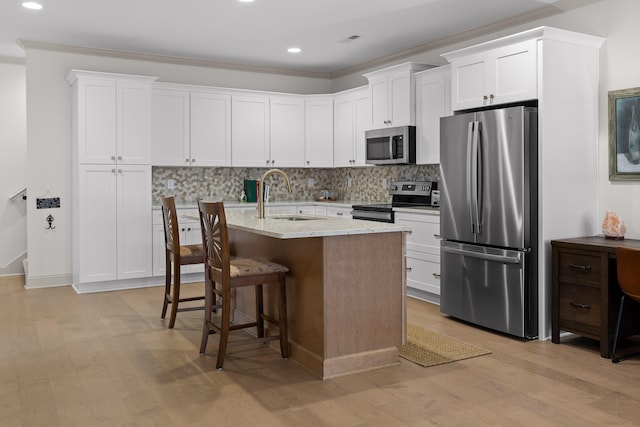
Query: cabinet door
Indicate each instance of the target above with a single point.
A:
(210, 129)
(469, 81)
(339, 212)
(96, 125)
(401, 99)
(250, 131)
(344, 131)
(134, 221)
(191, 235)
(379, 95)
(362, 106)
(169, 128)
(134, 123)
(95, 225)
(159, 264)
(432, 102)
(319, 132)
(287, 132)
(515, 73)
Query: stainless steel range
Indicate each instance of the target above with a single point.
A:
(404, 194)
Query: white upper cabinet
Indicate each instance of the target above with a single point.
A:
(210, 129)
(350, 120)
(495, 76)
(433, 89)
(250, 130)
(190, 126)
(112, 117)
(287, 131)
(170, 144)
(392, 95)
(319, 131)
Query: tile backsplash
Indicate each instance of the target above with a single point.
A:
(226, 183)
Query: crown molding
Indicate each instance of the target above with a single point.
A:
(524, 18)
(17, 60)
(177, 60)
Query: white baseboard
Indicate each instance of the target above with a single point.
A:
(119, 285)
(47, 281)
(14, 267)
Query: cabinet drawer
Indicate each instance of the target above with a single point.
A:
(580, 268)
(580, 308)
(423, 272)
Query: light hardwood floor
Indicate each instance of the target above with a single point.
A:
(108, 360)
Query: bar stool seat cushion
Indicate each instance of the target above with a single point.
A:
(191, 250)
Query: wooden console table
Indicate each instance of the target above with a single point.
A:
(585, 295)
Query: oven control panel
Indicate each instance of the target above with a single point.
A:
(411, 188)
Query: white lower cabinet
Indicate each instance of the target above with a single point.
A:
(422, 254)
(189, 235)
(307, 210)
(111, 223)
(339, 211)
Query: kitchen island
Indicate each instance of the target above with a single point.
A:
(345, 287)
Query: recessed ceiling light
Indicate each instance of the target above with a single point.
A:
(246, 1)
(32, 5)
(294, 50)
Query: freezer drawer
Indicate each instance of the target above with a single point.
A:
(488, 287)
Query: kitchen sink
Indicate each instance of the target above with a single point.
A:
(297, 217)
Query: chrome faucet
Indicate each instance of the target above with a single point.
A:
(261, 189)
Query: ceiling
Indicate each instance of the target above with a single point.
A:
(258, 34)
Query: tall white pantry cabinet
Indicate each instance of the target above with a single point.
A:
(111, 179)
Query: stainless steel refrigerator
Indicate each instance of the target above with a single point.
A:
(488, 219)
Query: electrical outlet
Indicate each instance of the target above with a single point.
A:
(349, 182)
(384, 183)
(171, 183)
(311, 182)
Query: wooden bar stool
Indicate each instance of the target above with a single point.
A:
(628, 268)
(223, 274)
(179, 255)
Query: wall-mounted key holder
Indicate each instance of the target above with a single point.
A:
(50, 225)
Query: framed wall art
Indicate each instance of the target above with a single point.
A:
(624, 134)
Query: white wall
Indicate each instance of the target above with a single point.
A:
(13, 165)
(49, 137)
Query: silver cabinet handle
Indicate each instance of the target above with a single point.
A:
(119, 157)
(193, 160)
(186, 160)
(113, 158)
(339, 213)
(576, 304)
(580, 267)
(436, 275)
(437, 236)
(119, 170)
(408, 268)
(113, 171)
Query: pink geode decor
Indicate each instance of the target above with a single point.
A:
(613, 226)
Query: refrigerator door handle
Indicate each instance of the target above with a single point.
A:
(470, 179)
(474, 180)
(478, 177)
(483, 256)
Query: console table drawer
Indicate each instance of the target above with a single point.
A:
(580, 309)
(580, 267)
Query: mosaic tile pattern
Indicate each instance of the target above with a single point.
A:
(227, 183)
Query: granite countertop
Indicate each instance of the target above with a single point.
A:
(236, 204)
(305, 226)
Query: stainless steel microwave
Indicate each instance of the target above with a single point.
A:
(391, 146)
